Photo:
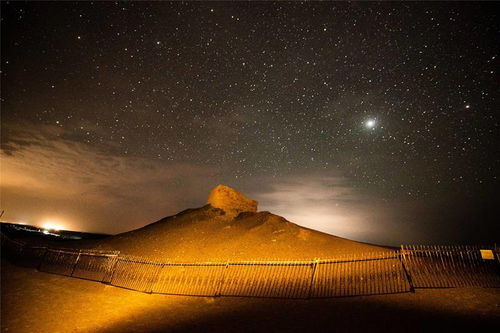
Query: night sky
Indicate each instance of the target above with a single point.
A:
(373, 121)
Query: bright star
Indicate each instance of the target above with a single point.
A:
(370, 123)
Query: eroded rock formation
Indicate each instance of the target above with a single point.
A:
(231, 201)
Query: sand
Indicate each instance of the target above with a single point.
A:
(207, 234)
(34, 301)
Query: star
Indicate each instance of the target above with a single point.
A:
(370, 123)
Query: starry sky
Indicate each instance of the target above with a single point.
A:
(373, 121)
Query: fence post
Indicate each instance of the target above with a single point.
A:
(314, 264)
(111, 270)
(42, 259)
(76, 262)
(402, 259)
(218, 290)
(154, 279)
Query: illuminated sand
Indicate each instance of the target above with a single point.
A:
(205, 234)
(38, 302)
(232, 230)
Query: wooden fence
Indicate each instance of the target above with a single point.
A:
(451, 266)
(361, 274)
(345, 275)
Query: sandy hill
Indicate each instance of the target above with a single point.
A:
(229, 227)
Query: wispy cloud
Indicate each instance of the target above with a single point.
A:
(326, 203)
(110, 192)
(47, 174)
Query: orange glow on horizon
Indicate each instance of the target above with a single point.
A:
(52, 225)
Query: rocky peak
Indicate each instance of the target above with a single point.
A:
(231, 201)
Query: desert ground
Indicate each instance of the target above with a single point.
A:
(34, 301)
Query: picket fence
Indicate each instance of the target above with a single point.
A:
(452, 266)
(373, 273)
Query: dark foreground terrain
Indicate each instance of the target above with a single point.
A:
(34, 301)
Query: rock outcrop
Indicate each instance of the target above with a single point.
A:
(231, 201)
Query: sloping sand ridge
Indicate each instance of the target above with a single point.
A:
(232, 230)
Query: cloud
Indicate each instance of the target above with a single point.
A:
(322, 202)
(327, 201)
(39, 165)
(48, 174)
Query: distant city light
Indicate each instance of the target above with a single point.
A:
(51, 225)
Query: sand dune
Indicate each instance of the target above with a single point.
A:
(225, 233)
